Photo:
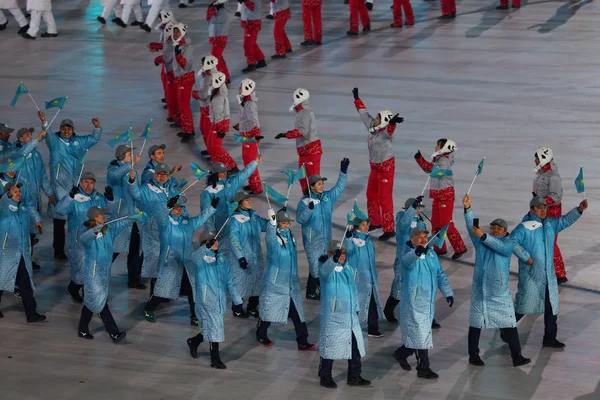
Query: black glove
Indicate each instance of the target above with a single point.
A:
(177, 50)
(344, 165)
(259, 137)
(534, 194)
(450, 300)
(396, 119)
(348, 233)
(215, 202)
(420, 251)
(311, 205)
(210, 243)
(212, 180)
(355, 93)
(156, 64)
(280, 136)
(417, 202)
(284, 208)
(236, 127)
(337, 255)
(108, 193)
(418, 154)
(221, 134)
(243, 263)
(172, 201)
(73, 192)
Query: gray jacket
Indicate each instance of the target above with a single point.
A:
(307, 125)
(548, 184)
(187, 52)
(204, 90)
(380, 142)
(280, 5)
(168, 52)
(219, 106)
(249, 115)
(219, 24)
(251, 15)
(443, 163)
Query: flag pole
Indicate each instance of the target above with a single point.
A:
(81, 172)
(267, 196)
(55, 115)
(434, 236)
(425, 215)
(189, 186)
(226, 222)
(472, 182)
(426, 183)
(344, 237)
(130, 135)
(115, 220)
(288, 195)
(19, 174)
(29, 94)
(143, 144)
(307, 182)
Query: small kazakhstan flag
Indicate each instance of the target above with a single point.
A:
(59, 102)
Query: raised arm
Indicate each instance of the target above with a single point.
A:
(303, 211)
(567, 220)
(205, 200)
(116, 173)
(65, 206)
(202, 218)
(469, 216)
(410, 257)
(238, 179)
(339, 187)
(367, 119)
(89, 236)
(423, 163)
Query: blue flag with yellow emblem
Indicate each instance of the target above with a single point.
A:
(10, 165)
(21, 89)
(59, 102)
(439, 173)
(123, 137)
(276, 196)
(199, 173)
(579, 184)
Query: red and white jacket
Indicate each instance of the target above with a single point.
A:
(305, 131)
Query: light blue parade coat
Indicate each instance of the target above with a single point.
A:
(281, 283)
(98, 261)
(148, 175)
(176, 248)
(14, 241)
(34, 172)
(339, 311)
(225, 190)
(244, 240)
(316, 223)
(406, 221)
(213, 282)
(76, 211)
(537, 240)
(117, 177)
(491, 300)
(65, 162)
(421, 279)
(16, 150)
(152, 197)
(26, 199)
(361, 255)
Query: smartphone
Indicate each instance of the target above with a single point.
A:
(476, 222)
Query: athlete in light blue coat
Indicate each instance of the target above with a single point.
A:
(8, 150)
(340, 336)
(245, 253)
(98, 241)
(280, 297)
(422, 276)
(213, 282)
(15, 249)
(314, 214)
(491, 300)
(538, 290)
(156, 153)
(361, 255)
(75, 207)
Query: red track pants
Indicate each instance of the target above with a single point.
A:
(249, 154)
(555, 211)
(205, 126)
(184, 97)
(218, 46)
(359, 8)
(516, 4)
(282, 43)
(448, 7)
(218, 152)
(313, 166)
(311, 19)
(380, 190)
(401, 6)
(172, 98)
(251, 50)
(441, 214)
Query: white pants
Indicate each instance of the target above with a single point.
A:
(239, 8)
(156, 7)
(108, 7)
(18, 14)
(137, 9)
(270, 8)
(36, 17)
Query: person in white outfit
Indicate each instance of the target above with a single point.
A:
(109, 5)
(11, 5)
(40, 10)
(128, 6)
(156, 6)
(184, 3)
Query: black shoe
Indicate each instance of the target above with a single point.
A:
(328, 382)
(204, 153)
(435, 325)
(1, 315)
(163, 300)
(453, 15)
(504, 8)
(375, 334)
(306, 347)
(175, 125)
(136, 285)
(186, 138)
(21, 31)
(350, 33)
(387, 236)
(253, 313)
(318, 43)
(289, 51)
(163, 100)
(520, 360)
(46, 35)
(35, 266)
(458, 254)
(393, 25)
(277, 56)
(114, 20)
(369, 6)
(474, 359)
(562, 280)
(3, 26)
(553, 343)
(269, 16)
(193, 348)
(316, 297)
(403, 362)
(27, 15)
(427, 374)
(308, 43)
(75, 296)
(60, 255)
(147, 29)
(513, 6)
(374, 227)
(264, 341)
(181, 5)
(358, 381)
(149, 315)
(120, 22)
(261, 64)
(368, 28)
(194, 321)
(446, 17)
(137, 23)
(238, 14)
(36, 318)
(28, 36)
(218, 364)
(240, 315)
(118, 337)
(170, 120)
(17, 293)
(249, 68)
(85, 335)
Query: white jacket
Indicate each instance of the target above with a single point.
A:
(7, 4)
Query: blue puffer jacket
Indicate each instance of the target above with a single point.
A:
(34, 172)
(117, 177)
(281, 283)
(225, 190)
(339, 311)
(421, 278)
(244, 240)
(536, 237)
(76, 212)
(16, 150)
(316, 223)
(213, 282)
(26, 199)
(361, 255)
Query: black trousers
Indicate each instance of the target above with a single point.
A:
(24, 284)
(109, 322)
(373, 317)
(214, 346)
(510, 334)
(422, 356)
(354, 364)
(58, 230)
(74, 287)
(550, 320)
(252, 303)
(134, 259)
(312, 285)
(186, 289)
(301, 328)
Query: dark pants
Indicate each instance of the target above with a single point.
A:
(354, 364)
(152, 285)
(252, 303)
(312, 285)
(214, 346)
(510, 334)
(301, 328)
(550, 324)
(373, 317)
(422, 356)
(73, 287)
(109, 322)
(186, 289)
(59, 235)
(134, 260)
(24, 284)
